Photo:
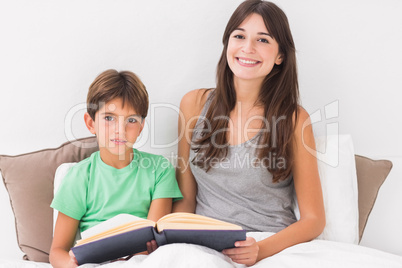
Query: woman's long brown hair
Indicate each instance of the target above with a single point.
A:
(279, 95)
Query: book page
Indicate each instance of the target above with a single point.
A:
(109, 224)
(193, 221)
(109, 228)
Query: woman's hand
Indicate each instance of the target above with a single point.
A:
(245, 252)
(73, 261)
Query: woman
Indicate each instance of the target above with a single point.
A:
(243, 152)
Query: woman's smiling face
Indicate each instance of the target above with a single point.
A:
(252, 51)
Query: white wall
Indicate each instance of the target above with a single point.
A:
(349, 55)
(348, 51)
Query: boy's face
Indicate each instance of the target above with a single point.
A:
(117, 128)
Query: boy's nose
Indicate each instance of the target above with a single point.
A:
(120, 125)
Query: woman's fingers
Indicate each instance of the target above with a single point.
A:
(245, 252)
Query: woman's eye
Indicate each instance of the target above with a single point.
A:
(238, 36)
(109, 118)
(263, 40)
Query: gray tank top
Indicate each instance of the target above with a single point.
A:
(237, 191)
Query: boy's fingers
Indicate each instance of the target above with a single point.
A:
(71, 253)
(72, 256)
(151, 246)
(154, 245)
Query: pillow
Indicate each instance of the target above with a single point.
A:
(336, 166)
(370, 176)
(61, 172)
(29, 181)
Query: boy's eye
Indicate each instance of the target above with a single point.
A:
(132, 120)
(109, 118)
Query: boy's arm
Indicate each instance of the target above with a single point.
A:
(63, 239)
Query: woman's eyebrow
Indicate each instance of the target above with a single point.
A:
(262, 33)
(259, 33)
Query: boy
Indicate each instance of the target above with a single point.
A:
(116, 179)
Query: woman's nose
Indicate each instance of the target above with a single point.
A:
(248, 47)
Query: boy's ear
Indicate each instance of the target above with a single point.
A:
(142, 126)
(90, 123)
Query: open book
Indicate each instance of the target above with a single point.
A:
(120, 236)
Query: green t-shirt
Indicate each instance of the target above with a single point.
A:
(93, 191)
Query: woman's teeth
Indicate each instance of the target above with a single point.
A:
(248, 61)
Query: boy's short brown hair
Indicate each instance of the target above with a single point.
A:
(112, 84)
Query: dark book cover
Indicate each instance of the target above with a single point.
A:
(132, 242)
(215, 239)
(114, 247)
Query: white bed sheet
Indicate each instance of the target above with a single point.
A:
(22, 264)
(314, 254)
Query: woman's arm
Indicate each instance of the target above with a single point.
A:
(308, 191)
(159, 208)
(63, 239)
(190, 108)
(309, 197)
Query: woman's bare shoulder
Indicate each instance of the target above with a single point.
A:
(193, 101)
(302, 116)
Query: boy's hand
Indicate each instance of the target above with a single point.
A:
(245, 252)
(73, 261)
(151, 246)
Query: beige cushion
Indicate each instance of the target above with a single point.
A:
(29, 181)
(370, 176)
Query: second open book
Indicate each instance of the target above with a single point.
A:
(126, 234)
